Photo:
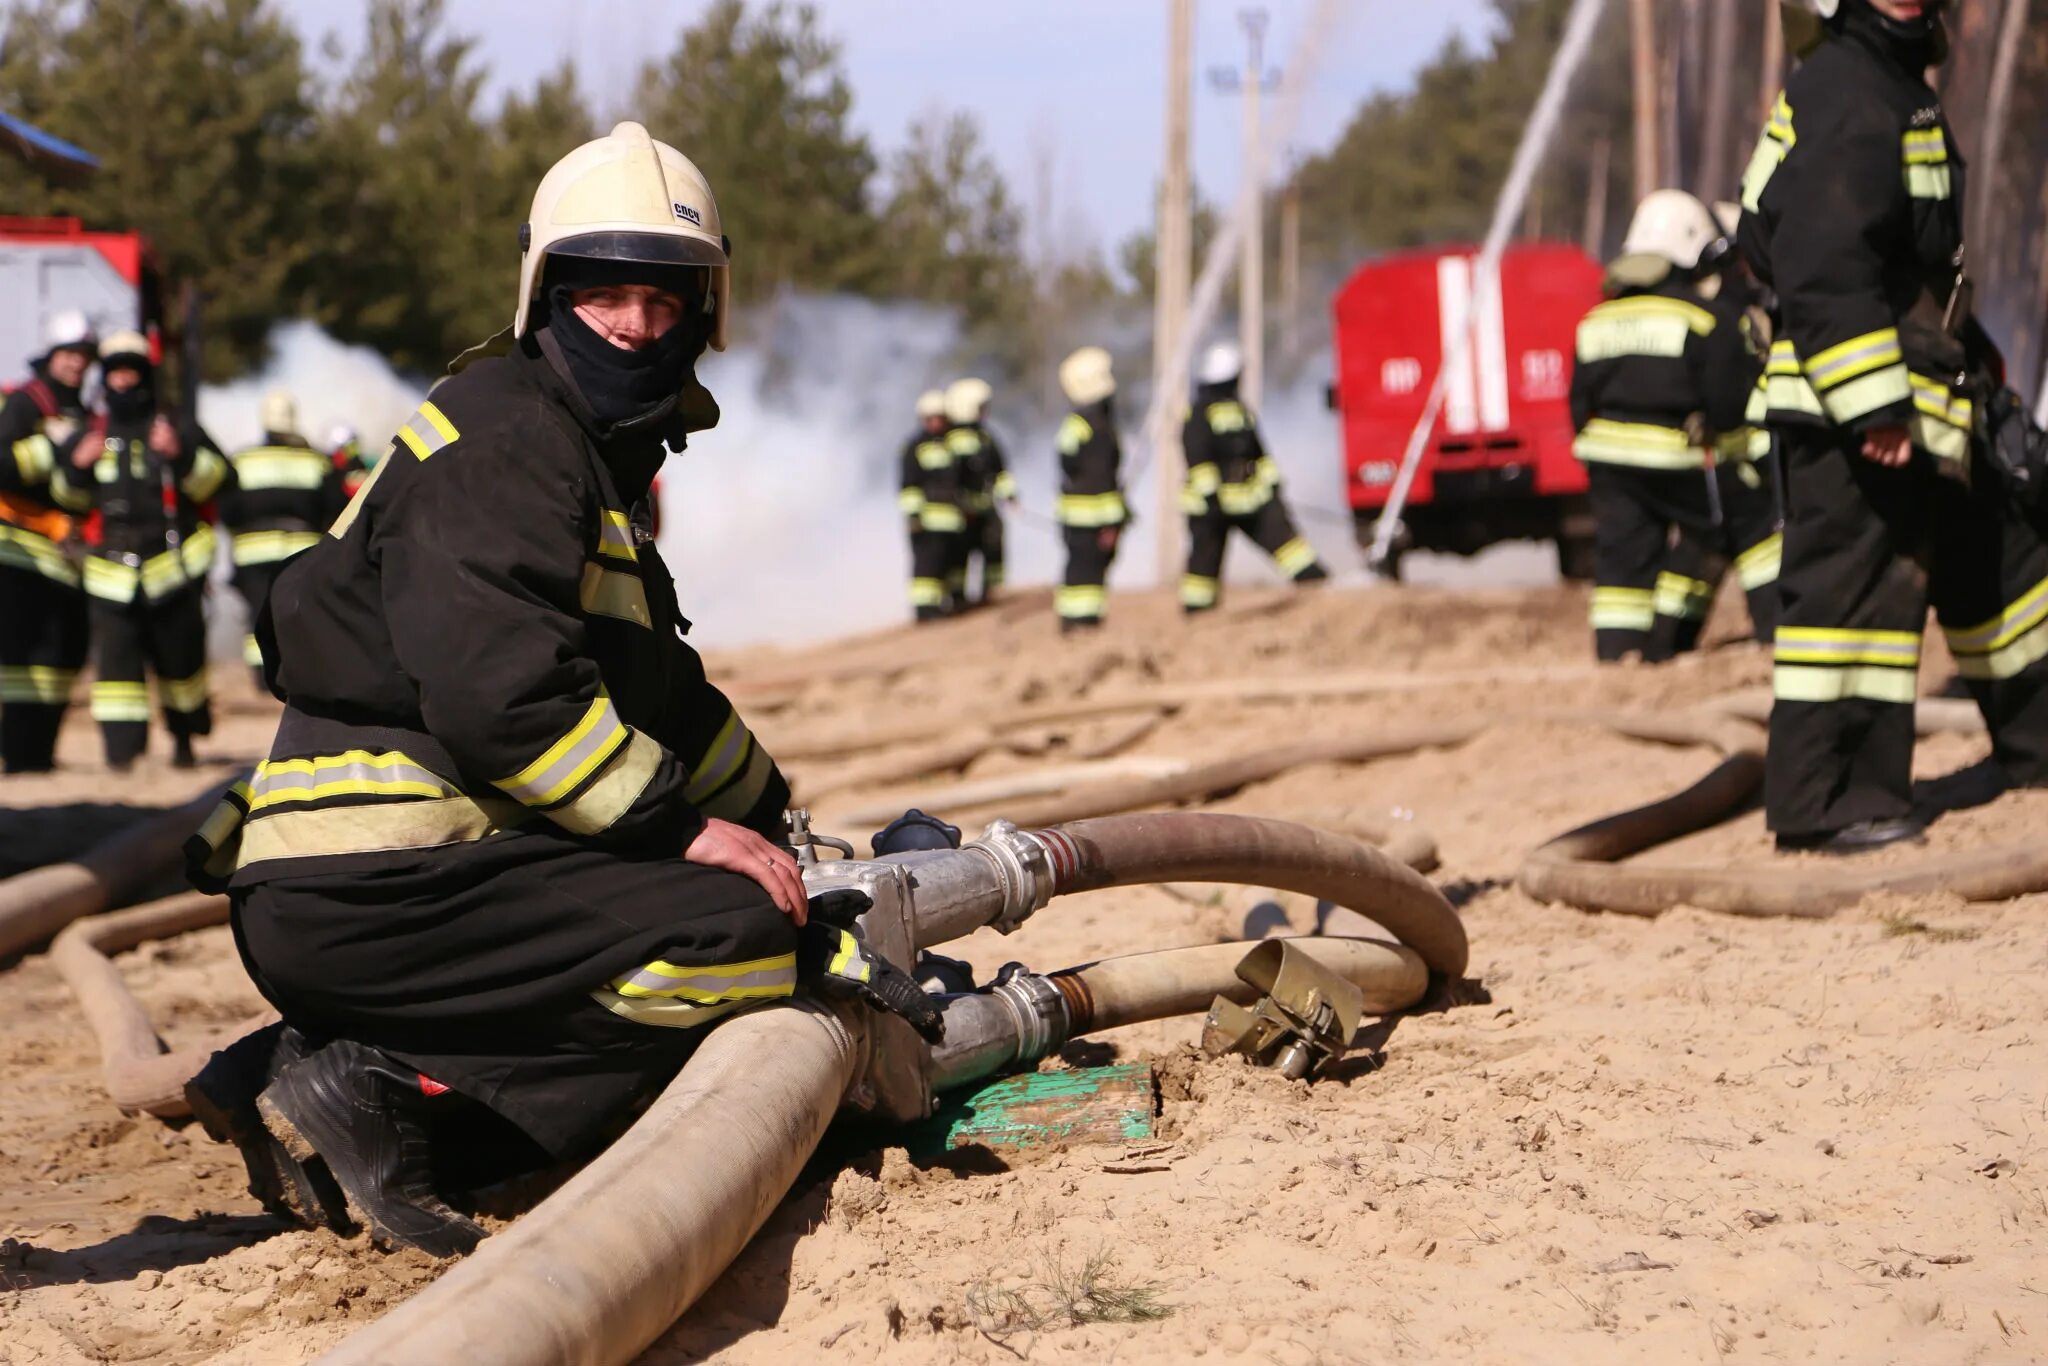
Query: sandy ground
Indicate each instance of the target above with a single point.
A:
(1688, 1139)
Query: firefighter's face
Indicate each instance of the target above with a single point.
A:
(1902, 10)
(935, 424)
(123, 378)
(630, 317)
(69, 364)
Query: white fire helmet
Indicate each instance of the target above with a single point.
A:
(1086, 376)
(1672, 226)
(340, 435)
(626, 197)
(1221, 364)
(126, 343)
(68, 329)
(967, 399)
(931, 403)
(279, 412)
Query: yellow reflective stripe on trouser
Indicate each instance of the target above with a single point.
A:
(1759, 564)
(183, 694)
(927, 592)
(1080, 601)
(1678, 595)
(36, 683)
(1637, 443)
(571, 759)
(356, 773)
(268, 547)
(2006, 644)
(1822, 683)
(36, 553)
(1090, 509)
(1846, 645)
(427, 431)
(1623, 609)
(707, 984)
(126, 700)
(1198, 590)
(1295, 556)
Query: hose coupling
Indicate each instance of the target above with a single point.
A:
(1038, 1009)
(1024, 868)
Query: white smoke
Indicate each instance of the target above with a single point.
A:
(333, 384)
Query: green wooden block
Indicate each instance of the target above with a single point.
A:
(1115, 1104)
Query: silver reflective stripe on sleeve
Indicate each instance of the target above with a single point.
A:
(571, 759)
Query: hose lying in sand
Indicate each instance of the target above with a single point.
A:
(142, 1076)
(36, 904)
(1008, 787)
(1931, 715)
(601, 1268)
(598, 1270)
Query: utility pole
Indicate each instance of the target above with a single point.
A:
(1642, 29)
(1595, 231)
(1250, 83)
(1774, 63)
(1290, 273)
(1714, 179)
(1173, 269)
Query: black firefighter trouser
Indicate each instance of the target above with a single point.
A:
(936, 560)
(1271, 529)
(1867, 549)
(1635, 512)
(166, 638)
(1081, 599)
(254, 582)
(43, 638)
(985, 538)
(1749, 538)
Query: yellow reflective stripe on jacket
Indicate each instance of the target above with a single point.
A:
(43, 683)
(268, 547)
(617, 785)
(753, 980)
(427, 431)
(355, 773)
(1623, 609)
(1857, 356)
(158, 576)
(1090, 509)
(609, 593)
(910, 500)
(934, 455)
(73, 497)
(1759, 564)
(739, 798)
(615, 537)
(21, 548)
(2008, 642)
(1786, 389)
(281, 467)
(1005, 485)
(322, 831)
(963, 441)
(1924, 155)
(1226, 416)
(34, 457)
(566, 763)
(1641, 325)
(1819, 683)
(209, 471)
(1777, 140)
(722, 760)
(941, 517)
(1636, 443)
(1073, 434)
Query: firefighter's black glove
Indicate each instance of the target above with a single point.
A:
(832, 956)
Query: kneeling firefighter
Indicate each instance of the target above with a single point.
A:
(1877, 379)
(510, 852)
(1091, 508)
(1232, 484)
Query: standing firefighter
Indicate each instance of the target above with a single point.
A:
(1232, 485)
(283, 497)
(43, 630)
(1853, 214)
(930, 499)
(345, 451)
(1091, 508)
(1657, 374)
(510, 852)
(148, 479)
(985, 481)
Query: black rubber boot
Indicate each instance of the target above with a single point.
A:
(1863, 837)
(223, 1099)
(181, 752)
(367, 1116)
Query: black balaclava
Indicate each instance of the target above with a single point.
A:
(1915, 44)
(624, 387)
(130, 405)
(66, 394)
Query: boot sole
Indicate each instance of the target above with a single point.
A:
(296, 1189)
(456, 1235)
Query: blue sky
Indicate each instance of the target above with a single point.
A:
(1075, 85)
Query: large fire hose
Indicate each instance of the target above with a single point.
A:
(602, 1267)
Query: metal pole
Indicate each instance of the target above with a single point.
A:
(1172, 271)
(1642, 29)
(1595, 238)
(1774, 62)
(1713, 181)
(1251, 278)
(1290, 273)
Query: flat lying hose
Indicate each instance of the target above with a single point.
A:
(603, 1266)
(1199, 846)
(143, 1077)
(1931, 715)
(36, 904)
(1137, 987)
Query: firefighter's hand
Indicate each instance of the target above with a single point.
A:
(1106, 538)
(721, 844)
(163, 437)
(1890, 447)
(84, 453)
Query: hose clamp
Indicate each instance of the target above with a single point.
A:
(1037, 1008)
(1024, 869)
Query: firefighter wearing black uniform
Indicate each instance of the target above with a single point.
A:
(985, 482)
(43, 631)
(1658, 375)
(283, 496)
(1853, 215)
(1090, 510)
(929, 497)
(148, 480)
(510, 851)
(1232, 484)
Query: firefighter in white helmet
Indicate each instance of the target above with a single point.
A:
(345, 453)
(1658, 379)
(510, 851)
(1232, 484)
(1091, 509)
(43, 631)
(929, 496)
(284, 495)
(986, 484)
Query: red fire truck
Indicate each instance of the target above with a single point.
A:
(50, 264)
(1498, 464)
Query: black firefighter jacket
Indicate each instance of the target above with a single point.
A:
(1090, 468)
(1658, 374)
